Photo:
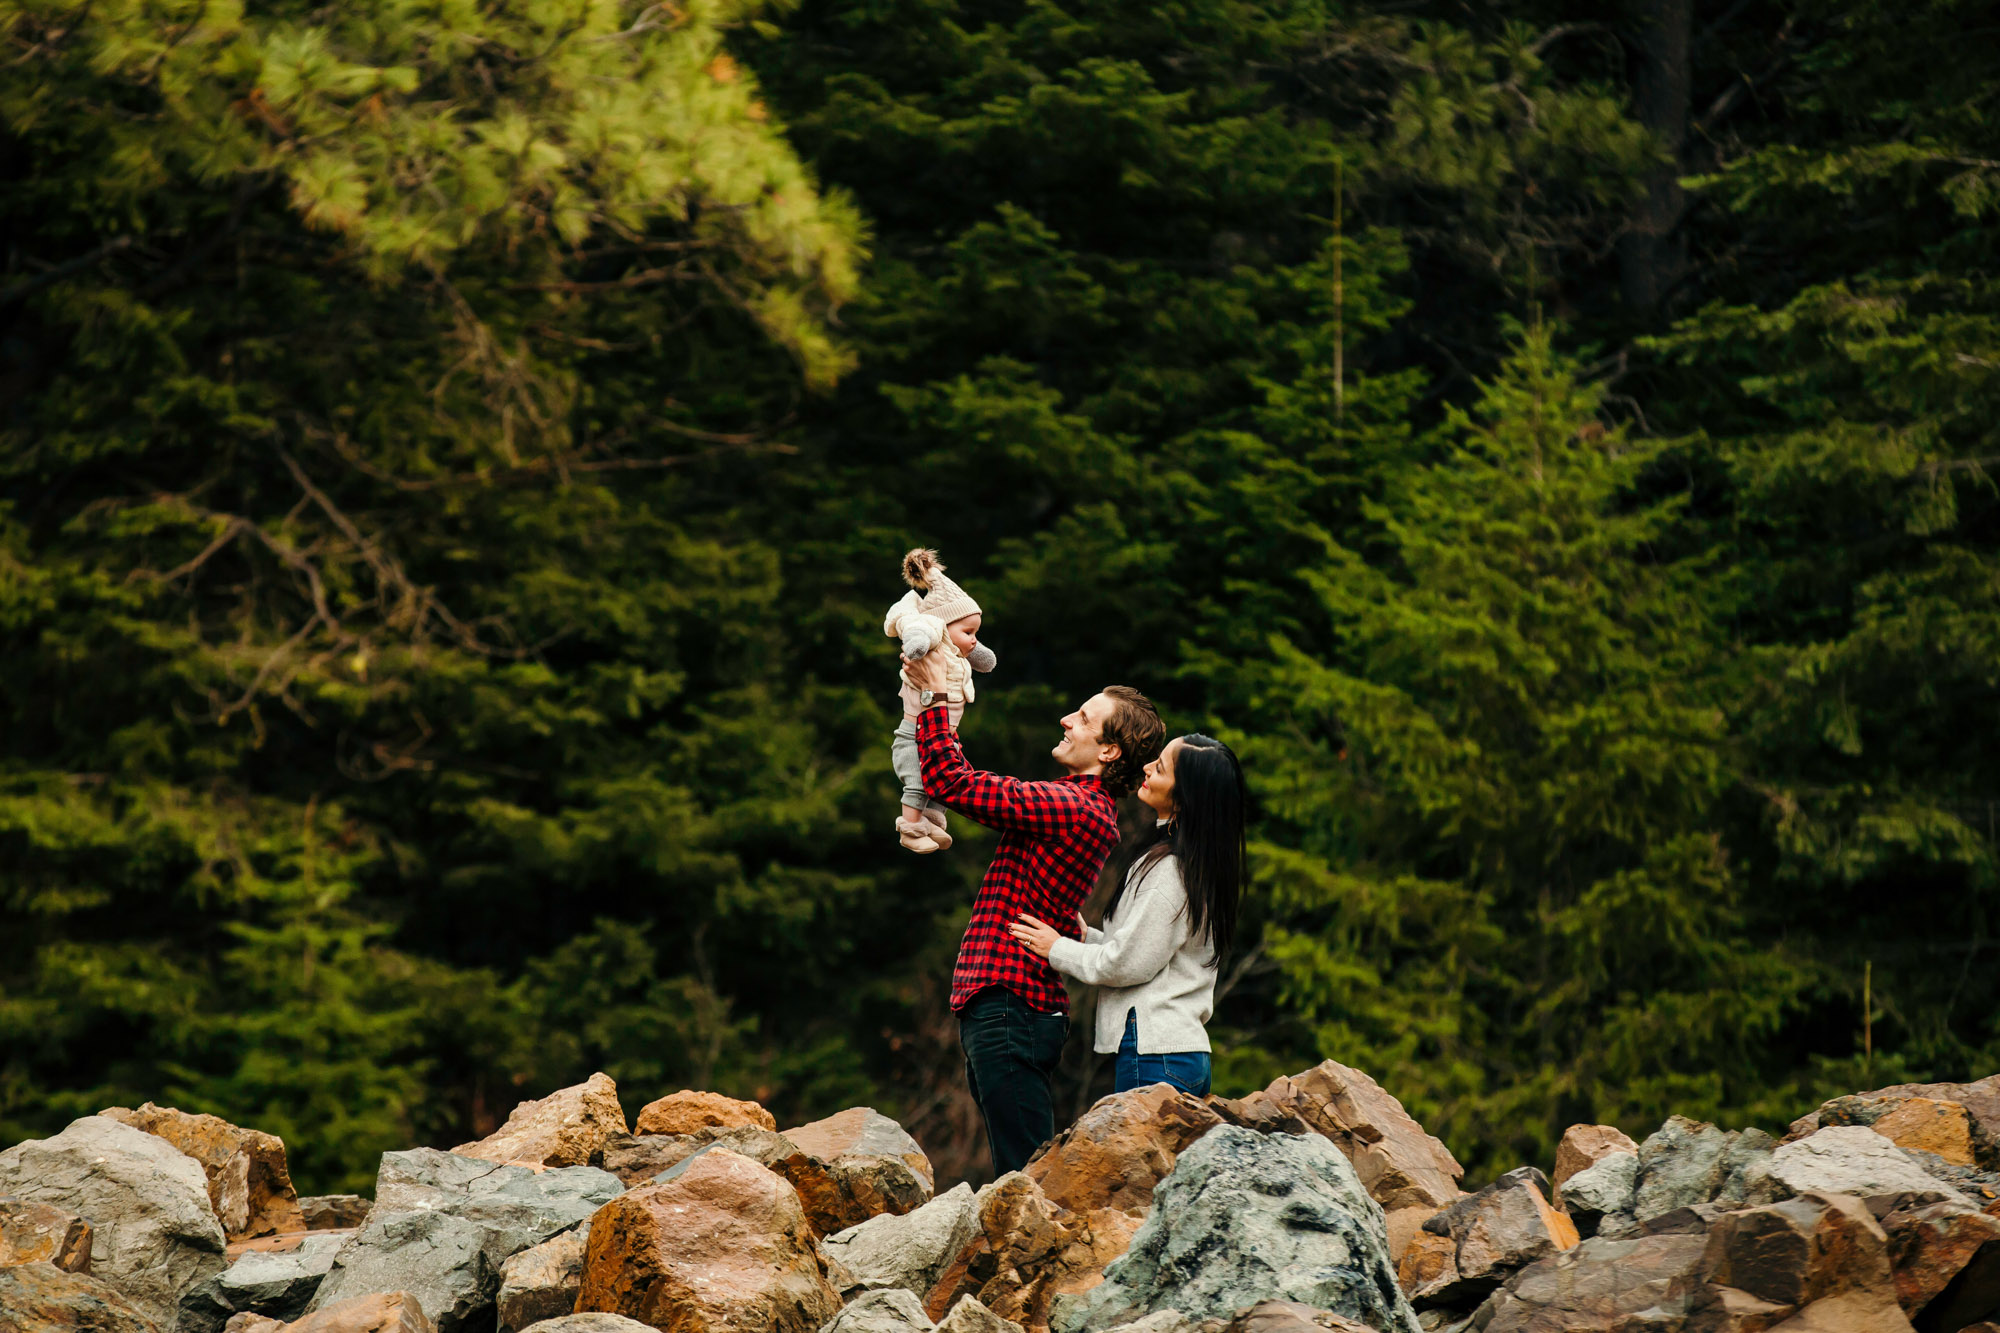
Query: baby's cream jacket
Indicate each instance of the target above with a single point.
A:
(923, 635)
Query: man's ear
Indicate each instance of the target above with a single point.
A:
(1107, 753)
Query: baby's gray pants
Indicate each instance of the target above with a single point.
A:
(903, 758)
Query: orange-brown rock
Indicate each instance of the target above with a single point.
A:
(1399, 1164)
(1028, 1251)
(724, 1245)
(1980, 1099)
(1119, 1149)
(247, 1322)
(688, 1111)
(1605, 1286)
(1584, 1146)
(853, 1166)
(249, 1184)
(1849, 1312)
(1500, 1230)
(1403, 1226)
(1800, 1251)
(1932, 1245)
(41, 1298)
(41, 1233)
(1932, 1126)
(383, 1312)
(1427, 1264)
(568, 1127)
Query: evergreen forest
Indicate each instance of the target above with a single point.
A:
(455, 457)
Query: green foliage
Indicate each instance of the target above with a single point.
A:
(367, 596)
(1491, 783)
(453, 460)
(1846, 457)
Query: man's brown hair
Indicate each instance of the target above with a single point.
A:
(1135, 728)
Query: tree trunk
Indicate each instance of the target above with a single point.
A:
(1652, 254)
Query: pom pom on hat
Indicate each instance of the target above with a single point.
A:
(944, 599)
(918, 566)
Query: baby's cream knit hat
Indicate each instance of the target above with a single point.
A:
(942, 598)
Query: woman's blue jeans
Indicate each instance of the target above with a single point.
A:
(1186, 1070)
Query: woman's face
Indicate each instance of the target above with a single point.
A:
(1157, 790)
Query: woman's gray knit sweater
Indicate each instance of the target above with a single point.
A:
(1144, 960)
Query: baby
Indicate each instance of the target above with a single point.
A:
(935, 616)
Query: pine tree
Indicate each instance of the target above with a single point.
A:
(1490, 786)
(1838, 408)
(364, 562)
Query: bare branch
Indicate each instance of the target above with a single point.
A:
(232, 529)
(64, 269)
(1561, 31)
(573, 462)
(1249, 965)
(1745, 83)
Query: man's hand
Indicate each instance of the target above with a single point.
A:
(926, 673)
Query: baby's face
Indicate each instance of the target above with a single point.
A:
(963, 633)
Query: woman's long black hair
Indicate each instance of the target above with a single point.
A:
(1205, 836)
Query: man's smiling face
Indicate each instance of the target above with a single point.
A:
(1080, 750)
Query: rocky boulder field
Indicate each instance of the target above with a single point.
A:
(1316, 1204)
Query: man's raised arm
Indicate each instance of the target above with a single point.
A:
(1044, 808)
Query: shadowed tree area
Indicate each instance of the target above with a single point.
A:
(453, 462)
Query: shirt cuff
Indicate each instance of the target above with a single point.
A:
(934, 721)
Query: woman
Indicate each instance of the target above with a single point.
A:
(1168, 925)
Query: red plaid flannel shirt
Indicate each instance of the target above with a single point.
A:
(1054, 837)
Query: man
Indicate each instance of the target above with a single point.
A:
(1013, 1013)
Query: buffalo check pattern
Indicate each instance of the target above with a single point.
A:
(1054, 837)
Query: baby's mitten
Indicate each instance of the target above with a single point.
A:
(981, 658)
(920, 635)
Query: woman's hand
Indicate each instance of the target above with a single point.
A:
(1037, 936)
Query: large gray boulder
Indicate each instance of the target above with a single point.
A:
(970, 1315)
(154, 1236)
(594, 1321)
(1606, 1188)
(890, 1310)
(275, 1277)
(443, 1225)
(909, 1251)
(1248, 1217)
(333, 1212)
(1848, 1159)
(1687, 1162)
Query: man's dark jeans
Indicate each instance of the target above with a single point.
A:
(1010, 1051)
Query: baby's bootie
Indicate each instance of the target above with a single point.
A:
(916, 834)
(935, 818)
